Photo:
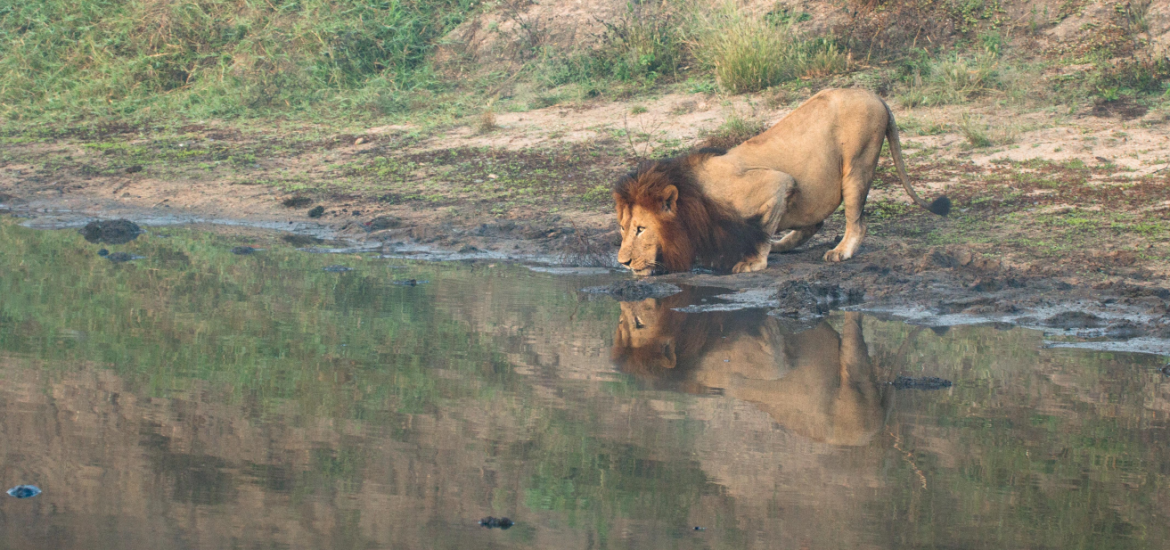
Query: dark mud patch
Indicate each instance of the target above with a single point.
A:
(111, 231)
(802, 299)
(1074, 320)
(634, 291)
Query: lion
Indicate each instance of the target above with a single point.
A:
(817, 383)
(722, 208)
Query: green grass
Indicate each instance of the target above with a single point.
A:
(212, 58)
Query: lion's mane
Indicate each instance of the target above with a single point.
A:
(703, 229)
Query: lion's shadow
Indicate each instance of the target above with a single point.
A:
(815, 382)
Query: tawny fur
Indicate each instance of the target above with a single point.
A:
(791, 177)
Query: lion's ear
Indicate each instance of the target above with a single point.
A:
(623, 207)
(669, 198)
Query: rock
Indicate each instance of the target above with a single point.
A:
(297, 202)
(317, 212)
(24, 491)
(923, 383)
(634, 291)
(134, 169)
(1073, 320)
(496, 523)
(243, 250)
(103, 253)
(111, 231)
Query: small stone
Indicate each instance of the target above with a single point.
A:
(317, 212)
(103, 252)
(359, 141)
(134, 169)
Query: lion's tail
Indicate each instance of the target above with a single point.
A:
(941, 205)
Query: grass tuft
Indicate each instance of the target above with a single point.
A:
(749, 54)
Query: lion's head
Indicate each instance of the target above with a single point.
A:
(644, 341)
(667, 222)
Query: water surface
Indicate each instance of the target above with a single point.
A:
(200, 399)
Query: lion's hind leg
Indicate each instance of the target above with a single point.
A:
(854, 189)
(796, 237)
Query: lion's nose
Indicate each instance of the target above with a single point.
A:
(627, 262)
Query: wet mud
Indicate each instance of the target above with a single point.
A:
(944, 286)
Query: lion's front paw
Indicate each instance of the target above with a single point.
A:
(835, 255)
(749, 265)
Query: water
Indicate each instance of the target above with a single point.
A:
(200, 399)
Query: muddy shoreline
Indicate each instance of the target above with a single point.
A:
(934, 286)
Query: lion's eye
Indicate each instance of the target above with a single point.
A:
(640, 230)
(638, 323)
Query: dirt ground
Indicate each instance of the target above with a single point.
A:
(1069, 212)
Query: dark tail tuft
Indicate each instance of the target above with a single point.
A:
(940, 206)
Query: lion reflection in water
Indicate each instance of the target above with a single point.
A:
(816, 382)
